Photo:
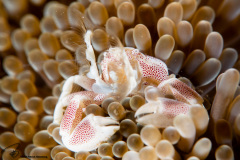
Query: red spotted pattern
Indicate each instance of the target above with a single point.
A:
(180, 91)
(172, 108)
(186, 91)
(78, 102)
(151, 67)
(83, 133)
(69, 116)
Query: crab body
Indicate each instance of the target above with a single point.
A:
(124, 71)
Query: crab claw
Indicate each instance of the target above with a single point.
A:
(90, 133)
(161, 113)
(154, 71)
(180, 91)
(66, 95)
(77, 102)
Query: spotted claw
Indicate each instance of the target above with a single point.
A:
(179, 91)
(66, 94)
(90, 133)
(161, 113)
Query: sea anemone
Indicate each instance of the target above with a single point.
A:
(197, 39)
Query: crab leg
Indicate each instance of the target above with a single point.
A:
(80, 80)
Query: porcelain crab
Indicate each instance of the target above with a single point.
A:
(123, 71)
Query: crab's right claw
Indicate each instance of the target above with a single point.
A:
(161, 113)
(90, 133)
(179, 91)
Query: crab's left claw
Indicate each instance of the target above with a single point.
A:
(90, 133)
(66, 95)
(161, 113)
(179, 91)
